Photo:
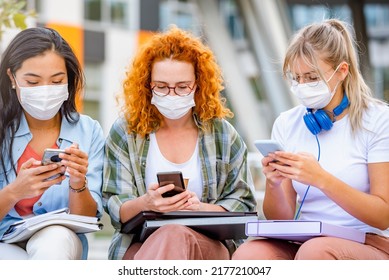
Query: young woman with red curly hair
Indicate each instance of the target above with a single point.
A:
(173, 120)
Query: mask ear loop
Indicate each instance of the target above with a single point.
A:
(16, 82)
(337, 84)
(336, 70)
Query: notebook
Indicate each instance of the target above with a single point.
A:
(24, 229)
(218, 225)
(298, 230)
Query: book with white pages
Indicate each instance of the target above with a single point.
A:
(300, 230)
(134, 225)
(24, 229)
(216, 224)
(219, 228)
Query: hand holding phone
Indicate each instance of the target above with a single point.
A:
(172, 177)
(267, 146)
(52, 156)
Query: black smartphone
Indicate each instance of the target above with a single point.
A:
(51, 156)
(171, 177)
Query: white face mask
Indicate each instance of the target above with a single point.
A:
(173, 106)
(43, 102)
(315, 95)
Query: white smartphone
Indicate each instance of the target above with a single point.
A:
(267, 146)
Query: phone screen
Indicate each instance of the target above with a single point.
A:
(267, 146)
(173, 177)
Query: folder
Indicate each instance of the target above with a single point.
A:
(217, 225)
(300, 231)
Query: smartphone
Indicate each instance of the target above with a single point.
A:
(267, 146)
(51, 156)
(171, 177)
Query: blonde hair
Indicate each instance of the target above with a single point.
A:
(176, 44)
(331, 42)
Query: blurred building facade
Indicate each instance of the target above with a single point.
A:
(249, 38)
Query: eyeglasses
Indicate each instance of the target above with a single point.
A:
(179, 89)
(311, 79)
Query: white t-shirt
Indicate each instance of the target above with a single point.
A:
(191, 169)
(341, 153)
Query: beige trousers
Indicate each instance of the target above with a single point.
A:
(50, 243)
(376, 247)
(177, 242)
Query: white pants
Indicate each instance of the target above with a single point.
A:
(50, 243)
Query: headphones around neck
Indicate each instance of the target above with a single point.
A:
(319, 120)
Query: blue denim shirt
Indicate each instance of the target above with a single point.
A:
(89, 135)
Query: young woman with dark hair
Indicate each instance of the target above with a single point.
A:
(40, 78)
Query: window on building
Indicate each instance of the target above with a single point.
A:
(233, 19)
(118, 10)
(181, 13)
(92, 10)
(111, 12)
(93, 76)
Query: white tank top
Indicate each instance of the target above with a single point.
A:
(190, 169)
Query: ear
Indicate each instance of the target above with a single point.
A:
(343, 70)
(11, 77)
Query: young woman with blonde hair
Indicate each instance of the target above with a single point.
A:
(336, 157)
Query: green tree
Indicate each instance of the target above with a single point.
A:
(13, 15)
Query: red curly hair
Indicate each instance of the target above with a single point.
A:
(176, 44)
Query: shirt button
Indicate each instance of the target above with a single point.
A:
(39, 203)
(144, 163)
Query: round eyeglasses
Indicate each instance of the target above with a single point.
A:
(180, 89)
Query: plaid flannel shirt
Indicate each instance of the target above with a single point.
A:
(225, 175)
